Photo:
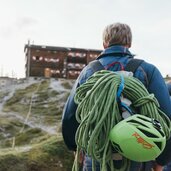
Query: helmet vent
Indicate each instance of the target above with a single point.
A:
(117, 147)
(148, 134)
(157, 126)
(160, 131)
(159, 145)
(137, 122)
(144, 119)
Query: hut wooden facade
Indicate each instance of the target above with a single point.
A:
(57, 62)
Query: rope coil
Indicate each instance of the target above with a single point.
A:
(98, 112)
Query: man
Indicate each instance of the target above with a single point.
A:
(168, 166)
(117, 39)
(169, 87)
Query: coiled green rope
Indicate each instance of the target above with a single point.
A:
(98, 113)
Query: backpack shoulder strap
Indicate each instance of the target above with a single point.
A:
(96, 65)
(133, 64)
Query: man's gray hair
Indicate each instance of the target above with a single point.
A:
(117, 34)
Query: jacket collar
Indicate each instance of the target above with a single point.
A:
(116, 50)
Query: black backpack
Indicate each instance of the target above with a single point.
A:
(69, 122)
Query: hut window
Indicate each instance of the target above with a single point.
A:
(37, 58)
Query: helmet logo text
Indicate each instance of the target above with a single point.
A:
(142, 141)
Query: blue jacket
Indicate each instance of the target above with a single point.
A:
(169, 87)
(147, 73)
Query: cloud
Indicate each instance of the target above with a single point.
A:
(25, 22)
(17, 27)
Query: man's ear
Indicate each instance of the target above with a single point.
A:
(128, 46)
(105, 45)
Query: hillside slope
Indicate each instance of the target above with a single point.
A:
(30, 126)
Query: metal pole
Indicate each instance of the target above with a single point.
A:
(29, 58)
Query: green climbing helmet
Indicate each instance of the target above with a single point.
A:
(138, 138)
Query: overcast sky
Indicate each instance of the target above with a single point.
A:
(79, 23)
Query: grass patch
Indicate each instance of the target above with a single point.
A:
(67, 84)
(49, 155)
(28, 136)
(20, 101)
(3, 94)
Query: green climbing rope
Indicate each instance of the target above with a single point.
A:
(98, 112)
